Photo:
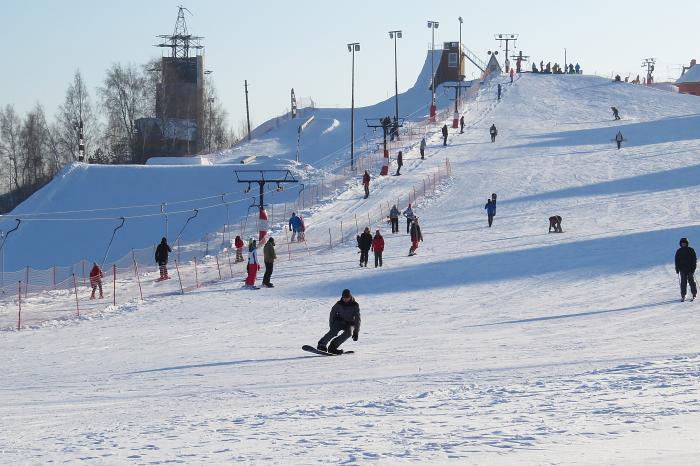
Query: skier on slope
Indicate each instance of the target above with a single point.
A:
(422, 148)
(364, 242)
(394, 218)
(253, 265)
(399, 162)
(238, 243)
(686, 262)
(408, 213)
(461, 124)
(416, 236)
(490, 210)
(616, 113)
(378, 248)
(365, 183)
(269, 257)
(493, 132)
(295, 226)
(96, 276)
(445, 133)
(345, 317)
(161, 258)
(618, 139)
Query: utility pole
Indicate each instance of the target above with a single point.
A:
(247, 109)
(507, 38)
(649, 63)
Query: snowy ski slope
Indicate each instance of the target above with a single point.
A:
(506, 345)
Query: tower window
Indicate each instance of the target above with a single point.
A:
(452, 60)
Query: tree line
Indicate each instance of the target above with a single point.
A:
(33, 149)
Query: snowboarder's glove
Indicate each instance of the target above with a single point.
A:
(355, 336)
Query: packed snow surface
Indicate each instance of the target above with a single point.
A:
(502, 345)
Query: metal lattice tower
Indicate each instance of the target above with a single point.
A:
(180, 42)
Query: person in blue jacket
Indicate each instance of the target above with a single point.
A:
(295, 225)
(490, 210)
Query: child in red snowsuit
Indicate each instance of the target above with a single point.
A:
(238, 243)
(253, 265)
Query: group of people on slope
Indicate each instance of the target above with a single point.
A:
(253, 266)
(297, 227)
(556, 69)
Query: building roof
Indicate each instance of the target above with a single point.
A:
(690, 76)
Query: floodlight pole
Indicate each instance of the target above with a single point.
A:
(395, 35)
(355, 46)
(459, 64)
(433, 108)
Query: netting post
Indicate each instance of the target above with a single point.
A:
(26, 284)
(414, 193)
(196, 277)
(75, 288)
(217, 266)
(19, 304)
(369, 222)
(54, 277)
(136, 271)
(424, 187)
(83, 262)
(357, 228)
(330, 238)
(230, 268)
(289, 248)
(182, 290)
(342, 236)
(114, 284)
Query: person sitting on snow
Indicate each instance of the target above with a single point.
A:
(555, 223)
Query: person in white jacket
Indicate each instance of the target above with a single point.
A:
(408, 213)
(253, 264)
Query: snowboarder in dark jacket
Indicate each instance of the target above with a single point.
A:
(616, 113)
(399, 162)
(345, 317)
(490, 210)
(493, 132)
(364, 242)
(445, 132)
(686, 262)
(365, 183)
(461, 124)
(162, 257)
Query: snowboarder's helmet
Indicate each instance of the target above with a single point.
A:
(271, 241)
(346, 293)
(683, 241)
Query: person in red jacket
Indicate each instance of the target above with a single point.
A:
(238, 242)
(365, 182)
(96, 280)
(378, 248)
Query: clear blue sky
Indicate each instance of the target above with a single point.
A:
(277, 45)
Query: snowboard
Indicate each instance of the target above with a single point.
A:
(160, 279)
(311, 349)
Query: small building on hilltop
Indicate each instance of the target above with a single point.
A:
(689, 82)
